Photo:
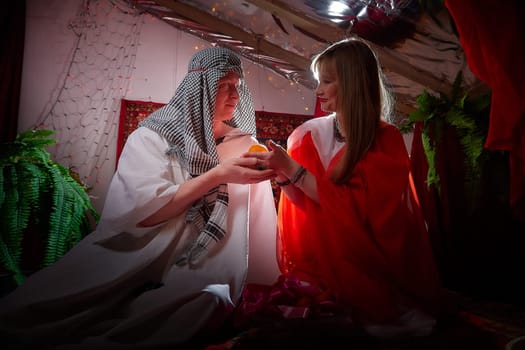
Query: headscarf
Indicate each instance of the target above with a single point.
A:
(187, 124)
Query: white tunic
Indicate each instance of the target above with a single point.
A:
(71, 296)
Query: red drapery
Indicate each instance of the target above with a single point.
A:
(493, 37)
(478, 246)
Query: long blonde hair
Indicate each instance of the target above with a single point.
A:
(363, 99)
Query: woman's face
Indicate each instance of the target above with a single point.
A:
(327, 88)
(227, 96)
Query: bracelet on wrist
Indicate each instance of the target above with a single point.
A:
(296, 177)
(299, 174)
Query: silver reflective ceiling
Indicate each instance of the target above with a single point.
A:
(417, 51)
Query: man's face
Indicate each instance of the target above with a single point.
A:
(227, 96)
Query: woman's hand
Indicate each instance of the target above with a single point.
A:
(287, 168)
(277, 159)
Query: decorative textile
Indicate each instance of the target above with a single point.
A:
(131, 114)
(288, 298)
(277, 126)
(366, 241)
(269, 125)
(480, 326)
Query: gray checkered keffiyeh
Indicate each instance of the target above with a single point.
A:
(186, 122)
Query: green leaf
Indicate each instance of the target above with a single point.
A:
(468, 117)
(12, 222)
(38, 191)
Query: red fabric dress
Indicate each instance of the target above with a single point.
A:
(365, 243)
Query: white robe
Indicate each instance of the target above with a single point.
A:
(118, 257)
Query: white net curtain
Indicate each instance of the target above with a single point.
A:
(84, 109)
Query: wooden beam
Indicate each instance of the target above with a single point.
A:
(256, 41)
(330, 32)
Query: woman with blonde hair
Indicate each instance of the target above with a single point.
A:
(351, 233)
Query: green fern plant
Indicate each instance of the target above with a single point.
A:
(467, 116)
(39, 200)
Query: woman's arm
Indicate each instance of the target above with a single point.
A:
(305, 185)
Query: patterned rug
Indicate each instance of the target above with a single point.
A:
(478, 325)
(270, 125)
(131, 113)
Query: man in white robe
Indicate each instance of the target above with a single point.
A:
(187, 223)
